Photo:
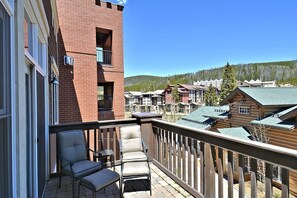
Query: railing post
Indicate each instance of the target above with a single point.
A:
(144, 120)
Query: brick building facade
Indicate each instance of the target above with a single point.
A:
(93, 87)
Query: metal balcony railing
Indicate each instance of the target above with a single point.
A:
(103, 56)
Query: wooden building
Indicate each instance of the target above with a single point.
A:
(273, 108)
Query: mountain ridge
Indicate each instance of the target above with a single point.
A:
(281, 71)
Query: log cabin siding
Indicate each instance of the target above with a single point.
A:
(268, 111)
(240, 120)
(220, 124)
(286, 139)
(277, 137)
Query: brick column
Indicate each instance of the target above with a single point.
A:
(144, 120)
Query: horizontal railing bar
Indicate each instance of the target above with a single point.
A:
(90, 125)
(267, 152)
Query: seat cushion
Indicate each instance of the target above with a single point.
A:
(135, 169)
(100, 179)
(131, 138)
(82, 168)
(134, 156)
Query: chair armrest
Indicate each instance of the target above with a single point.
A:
(145, 148)
(92, 150)
(120, 147)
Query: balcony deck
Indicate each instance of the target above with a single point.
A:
(189, 162)
(162, 186)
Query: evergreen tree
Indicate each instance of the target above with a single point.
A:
(211, 98)
(175, 94)
(229, 82)
(175, 98)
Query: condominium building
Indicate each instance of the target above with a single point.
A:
(91, 59)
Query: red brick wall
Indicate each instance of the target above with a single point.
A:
(78, 84)
(185, 97)
(168, 98)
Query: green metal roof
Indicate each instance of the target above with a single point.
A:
(196, 125)
(272, 95)
(204, 116)
(277, 121)
(236, 132)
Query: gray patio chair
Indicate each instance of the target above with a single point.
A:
(72, 152)
(134, 160)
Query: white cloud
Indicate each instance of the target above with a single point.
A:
(122, 2)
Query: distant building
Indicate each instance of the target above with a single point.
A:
(187, 94)
(136, 101)
(206, 83)
(133, 97)
(256, 83)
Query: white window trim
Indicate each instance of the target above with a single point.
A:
(8, 5)
(36, 14)
(245, 112)
(37, 33)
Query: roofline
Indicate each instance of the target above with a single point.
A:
(217, 118)
(232, 94)
(288, 115)
(255, 122)
(280, 105)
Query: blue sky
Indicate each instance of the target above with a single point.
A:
(163, 37)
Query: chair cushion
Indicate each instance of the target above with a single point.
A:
(100, 179)
(131, 138)
(134, 156)
(72, 146)
(82, 168)
(135, 169)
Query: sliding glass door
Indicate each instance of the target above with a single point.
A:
(5, 106)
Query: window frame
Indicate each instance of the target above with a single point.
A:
(4, 75)
(106, 86)
(7, 157)
(244, 110)
(104, 55)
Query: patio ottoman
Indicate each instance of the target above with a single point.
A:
(99, 180)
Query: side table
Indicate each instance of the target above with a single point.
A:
(105, 154)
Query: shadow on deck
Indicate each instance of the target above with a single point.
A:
(162, 186)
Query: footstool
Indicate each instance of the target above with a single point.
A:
(99, 180)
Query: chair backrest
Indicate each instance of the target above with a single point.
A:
(71, 146)
(131, 138)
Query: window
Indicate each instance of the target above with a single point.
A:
(105, 96)
(103, 46)
(2, 65)
(244, 110)
(5, 113)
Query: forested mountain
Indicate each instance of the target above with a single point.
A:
(282, 72)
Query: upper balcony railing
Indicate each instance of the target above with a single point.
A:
(103, 56)
(199, 160)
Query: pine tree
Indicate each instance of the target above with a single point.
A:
(229, 82)
(211, 98)
(175, 94)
